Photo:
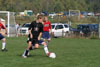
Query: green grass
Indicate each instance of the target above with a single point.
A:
(70, 53)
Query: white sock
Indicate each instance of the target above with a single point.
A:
(24, 53)
(46, 49)
(3, 45)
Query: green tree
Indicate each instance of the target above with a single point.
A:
(49, 5)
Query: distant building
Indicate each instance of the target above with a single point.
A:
(26, 13)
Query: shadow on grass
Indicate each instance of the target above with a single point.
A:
(33, 55)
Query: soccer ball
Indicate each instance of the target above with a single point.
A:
(52, 55)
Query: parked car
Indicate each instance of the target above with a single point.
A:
(86, 29)
(81, 27)
(52, 15)
(72, 29)
(91, 27)
(59, 29)
(24, 29)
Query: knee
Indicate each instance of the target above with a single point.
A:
(44, 40)
(29, 43)
(48, 40)
(4, 39)
(36, 46)
(44, 44)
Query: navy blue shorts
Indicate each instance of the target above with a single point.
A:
(40, 42)
(45, 35)
(1, 37)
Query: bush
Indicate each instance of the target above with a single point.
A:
(94, 37)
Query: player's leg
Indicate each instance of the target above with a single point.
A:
(36, 46)
(27, 49)
(43, 36)
(48, 38)
(32, 46)
(45, 47)
(3, 42)
(36, 43)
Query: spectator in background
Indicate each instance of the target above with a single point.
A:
(17, 27)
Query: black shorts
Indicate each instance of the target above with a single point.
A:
(34, 41)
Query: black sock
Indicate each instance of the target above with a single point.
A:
(26, 52)
(30, 48)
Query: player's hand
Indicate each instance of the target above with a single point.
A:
(51, 33)
(6, 33)
(38, 38)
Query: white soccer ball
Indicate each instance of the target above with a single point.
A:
(52, 55)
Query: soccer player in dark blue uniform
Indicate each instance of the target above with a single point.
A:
(46, 28)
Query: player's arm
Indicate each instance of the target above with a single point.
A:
(51, 31)
(29, 30)
(39, 37)
(30, 33)
(6, 30)
(41, 30)
(50, 27)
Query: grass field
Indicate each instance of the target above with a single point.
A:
(70, 53)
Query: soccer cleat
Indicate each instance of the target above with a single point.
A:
(4, 49)
(24, 56)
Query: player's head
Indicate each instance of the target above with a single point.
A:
(45, 18)
(40, 18)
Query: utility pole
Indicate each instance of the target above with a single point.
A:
(99, 25)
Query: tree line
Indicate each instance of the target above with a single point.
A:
(49, 5)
